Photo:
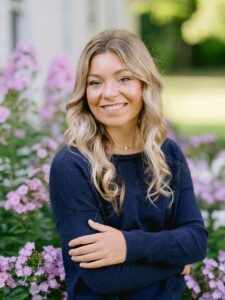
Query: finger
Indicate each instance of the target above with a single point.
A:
(186, 270)
(94, 264)
(84, 250)
(99, 227)
(83, 240)
(88, 257)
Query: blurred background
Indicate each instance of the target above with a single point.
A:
(186, 38)
(40, 43)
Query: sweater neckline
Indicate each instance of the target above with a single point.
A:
(125, 157)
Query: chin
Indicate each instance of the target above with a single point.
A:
(113, 124)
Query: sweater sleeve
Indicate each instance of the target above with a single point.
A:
(185, 241)
(73, 202)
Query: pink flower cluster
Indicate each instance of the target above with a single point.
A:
(192, 285)
(46, 147)
(20, 71)
(6, 264)
(59, 85)
(197, 141)
(21, 267)
(27, 197)
(213, 276)
(44, 171)
(40, 272)
(44, 151)
(53, 265)
(208, 180)
(4, 114)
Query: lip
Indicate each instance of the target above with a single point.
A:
(113, 104)
(117, 107)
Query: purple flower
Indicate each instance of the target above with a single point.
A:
(27, 271)
(212, 280)
(37, 297)
(3, 279)
(22, 190)
(59, 85)
(46, 168)
(13, 200)
(35, 197)
(10, 282)
(53, 284)
(21, 70)
(16, 271)
(4, 114)
(53, 262)
(222, 267)
(33, 172)
(40, 271)
(20, 133)
(3, 90)
(192, 285)
(196, 141)
(212, 284)
(34, 289)
(43, 286)
(6, 265)
(208, 188)
(34, 184)
(216, 295)
(221, 256)
(23, 282)
(42, 153)
(36, 147)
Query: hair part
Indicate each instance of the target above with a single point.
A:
(90, 136)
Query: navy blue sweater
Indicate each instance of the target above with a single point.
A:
(160, 239)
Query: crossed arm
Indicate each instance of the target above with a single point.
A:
(73, 203)
(116, 278)
(183, 244)
(108, 247)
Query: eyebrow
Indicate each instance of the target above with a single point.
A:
(115, 73)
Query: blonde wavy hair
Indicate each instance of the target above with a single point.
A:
(90, 137)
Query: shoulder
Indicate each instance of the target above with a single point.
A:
(173, 153)
(69, 158)
(67, 154)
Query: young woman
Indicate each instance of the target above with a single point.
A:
(121, 192)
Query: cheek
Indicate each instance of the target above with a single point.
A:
(92, 97)
(135, 91)
(136, 95)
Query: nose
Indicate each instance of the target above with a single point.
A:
(110, 89)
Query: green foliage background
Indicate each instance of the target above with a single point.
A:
(183, 34)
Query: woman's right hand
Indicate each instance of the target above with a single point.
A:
(186, 270)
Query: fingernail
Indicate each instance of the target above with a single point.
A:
(90, 221)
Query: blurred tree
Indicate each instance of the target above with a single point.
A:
(164, 11)
(207, 22)
(183, 33)
(161, 22)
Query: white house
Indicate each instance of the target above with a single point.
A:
(59, 26)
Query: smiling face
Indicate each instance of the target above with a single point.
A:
(113, 93)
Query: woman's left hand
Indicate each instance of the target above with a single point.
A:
(108, 247)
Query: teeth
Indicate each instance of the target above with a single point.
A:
(114, 107)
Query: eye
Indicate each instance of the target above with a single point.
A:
(94, 82)
(124, 79)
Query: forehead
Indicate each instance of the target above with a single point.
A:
(106, 62)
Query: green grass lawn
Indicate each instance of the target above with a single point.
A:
(196, 103)
(187, 129)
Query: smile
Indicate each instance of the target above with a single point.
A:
(114, 107)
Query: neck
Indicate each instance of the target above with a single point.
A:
(126, 140)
